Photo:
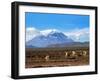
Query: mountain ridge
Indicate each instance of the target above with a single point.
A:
(51, 38)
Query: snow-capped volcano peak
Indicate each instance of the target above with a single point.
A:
(49, 31)
(49, 37)
(32, 32)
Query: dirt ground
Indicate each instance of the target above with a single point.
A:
(56, 58)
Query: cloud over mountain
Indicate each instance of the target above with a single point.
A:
(31, 32)
(54, 37)
(80, 35)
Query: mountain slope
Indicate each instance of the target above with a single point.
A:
(53, 37)
(71, 44)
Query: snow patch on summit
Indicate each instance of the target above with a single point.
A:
(49, 31)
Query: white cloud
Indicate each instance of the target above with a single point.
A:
(79, 34)
(31, 32)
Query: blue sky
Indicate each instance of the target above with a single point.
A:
(62, 22)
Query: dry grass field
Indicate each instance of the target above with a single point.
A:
(56, 57)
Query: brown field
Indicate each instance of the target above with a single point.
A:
(56, 57)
